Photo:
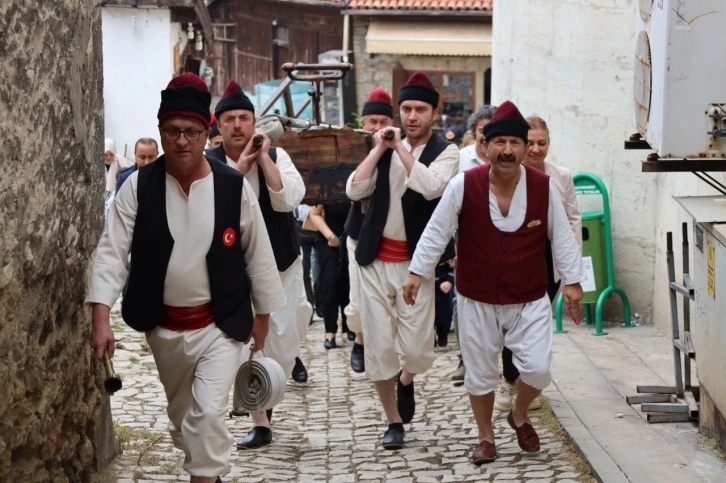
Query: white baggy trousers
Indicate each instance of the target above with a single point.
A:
(485, 329)
(197, 369)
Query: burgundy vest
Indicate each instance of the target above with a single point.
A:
(497, 267)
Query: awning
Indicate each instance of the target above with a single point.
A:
(429, 38)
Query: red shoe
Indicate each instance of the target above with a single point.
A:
(526, 435)
(485, 452)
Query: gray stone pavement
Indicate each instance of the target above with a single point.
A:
(329, 428)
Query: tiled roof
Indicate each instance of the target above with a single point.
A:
(460, 5)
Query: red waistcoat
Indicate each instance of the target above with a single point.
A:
(497, 267)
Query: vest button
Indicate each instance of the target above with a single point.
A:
(502, 270)
(504, 253)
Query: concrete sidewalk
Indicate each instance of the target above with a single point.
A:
(592, 376)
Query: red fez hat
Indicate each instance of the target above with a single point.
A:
(186, 95)
(506, 121)
(419, 88)
(379, 102)
(233, 98)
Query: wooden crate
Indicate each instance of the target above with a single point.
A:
(325, 159)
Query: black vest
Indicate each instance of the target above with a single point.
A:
(151, 246)
(417, 210)
(281, 227)
(355, 220)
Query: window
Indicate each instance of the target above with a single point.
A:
(457, 99)
(280, 35)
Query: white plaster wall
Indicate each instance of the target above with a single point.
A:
(138, 46)
(570, 62)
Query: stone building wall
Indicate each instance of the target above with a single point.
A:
(376, 70)
(53, 424)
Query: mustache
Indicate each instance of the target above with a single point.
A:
(506, 157)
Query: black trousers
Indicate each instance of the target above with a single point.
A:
(332, 284)
(509, 371)
(444, 311)
(307, 240)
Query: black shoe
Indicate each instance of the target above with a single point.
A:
(351, 335)
(219, 480)
(393, 437)
(405, 399)
(357, 358)
(257, 438)
(299, 373)
(443, 340)
(269, 416)
(330, 343)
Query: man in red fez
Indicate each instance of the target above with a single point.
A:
(404, 179)
(202, 261)
(280, 189)
(377, 114)
(501, 278)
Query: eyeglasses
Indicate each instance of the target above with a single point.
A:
(189, 134)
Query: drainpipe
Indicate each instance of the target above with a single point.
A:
(346, 42)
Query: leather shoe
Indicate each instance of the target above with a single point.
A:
(485, 452)
(219, 480)
(526, 435)
(257, 438)
(330, 343)
(299, 373)
(393, 438)
(351, 335)
(357, 358)
(406, 400)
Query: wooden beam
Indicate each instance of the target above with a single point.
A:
(149, 3)
(664, 408)
(648, 398)
(668, 418)
(203, 14)
(692, 405)
(656, 389)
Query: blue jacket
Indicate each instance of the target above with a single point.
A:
(124, 174)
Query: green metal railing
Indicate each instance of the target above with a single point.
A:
(589, 184)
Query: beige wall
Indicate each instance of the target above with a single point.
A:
(376, 70)
(571, 63)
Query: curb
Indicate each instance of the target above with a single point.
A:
(603, 467)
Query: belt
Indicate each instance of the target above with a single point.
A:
(187, 318)
(395, 251)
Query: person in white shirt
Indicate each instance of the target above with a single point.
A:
(202, 264)
(404, 178)
(280, 189)
(502, 278)
(537, 148)
(475, 154)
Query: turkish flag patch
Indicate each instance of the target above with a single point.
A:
(228, 237)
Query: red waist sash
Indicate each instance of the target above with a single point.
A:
(187, 318)
(393, 251)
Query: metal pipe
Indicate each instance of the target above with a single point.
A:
(346, 37)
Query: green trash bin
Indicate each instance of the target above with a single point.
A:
(593, 256)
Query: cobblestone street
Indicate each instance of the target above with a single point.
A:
(329, 428)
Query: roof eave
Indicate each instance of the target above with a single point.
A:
(415, 13)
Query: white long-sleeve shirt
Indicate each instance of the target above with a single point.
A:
(429, 182)
(191, 223)
(443, 223)
(293, 187)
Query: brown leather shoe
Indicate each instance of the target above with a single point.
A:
(526, 435)
(485, 452)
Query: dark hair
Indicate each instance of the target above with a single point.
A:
(484, 112)
(146, 142)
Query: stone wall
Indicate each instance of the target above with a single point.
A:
(51, 215)
(376, 70)
(572, 64)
